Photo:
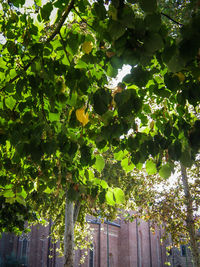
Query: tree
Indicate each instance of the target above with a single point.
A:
(57, 115)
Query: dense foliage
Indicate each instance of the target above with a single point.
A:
(58, 116)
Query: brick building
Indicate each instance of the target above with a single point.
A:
(122, 244)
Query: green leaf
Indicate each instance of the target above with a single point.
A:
(22, 193)
(119, 195)
(186, 158)
(100, 163)
(140, 76)
(54, 117)
(8, 194)
(100, 10)
(172, 82)
(38, 2)
(102, 98)
(111, 72)
(174, 150)
(17, 3)
(46, 11)
(153, 43)
(21, 200)
(110, 197)
(86, 155)
(127, 165)
(10, 102)
(116, 29)
(148, 5)
(127, 102)
(151, 167)
(10, 200)
(165, 171)
(153, 21)
(73, 43)
(101, 182)
(176, 63)
(120, 154)
(48, 190)
(90, 175)
(127, 17)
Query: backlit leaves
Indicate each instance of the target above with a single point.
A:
(48, 74)
(102, 98)
(165, 171)
(151, 167)
(100, 163)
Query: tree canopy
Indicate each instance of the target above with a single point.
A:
(58, 116)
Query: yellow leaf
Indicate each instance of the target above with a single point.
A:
(181, 76)
(82, 116)
(87, 47)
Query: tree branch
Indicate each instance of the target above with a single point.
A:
(66, 12)
(19, 75)
(167, 16)
(85, 21)
(62, 20)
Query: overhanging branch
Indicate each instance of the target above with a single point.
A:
(62, 20)
(167, 16)
(85, 21)
(66, 12)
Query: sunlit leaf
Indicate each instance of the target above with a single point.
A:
(165, 171)
(119, 195)
(110, 197)
(100, 163)
(151, 167)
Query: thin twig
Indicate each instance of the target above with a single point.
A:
(85, 21)
(62, 20)
(167, 16)
(19, 75)
(55, 32)
(63, 44)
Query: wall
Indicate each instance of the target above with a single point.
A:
(130, 245)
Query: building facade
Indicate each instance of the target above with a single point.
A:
(115, 244)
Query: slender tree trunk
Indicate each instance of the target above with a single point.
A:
(71, 213)
(69, 234)
(190, 218)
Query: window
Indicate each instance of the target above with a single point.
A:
(23, 246)
(158, 251)
(91, 256)
(183, 250)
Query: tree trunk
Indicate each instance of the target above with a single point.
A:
(69, 234)
(190, 218)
